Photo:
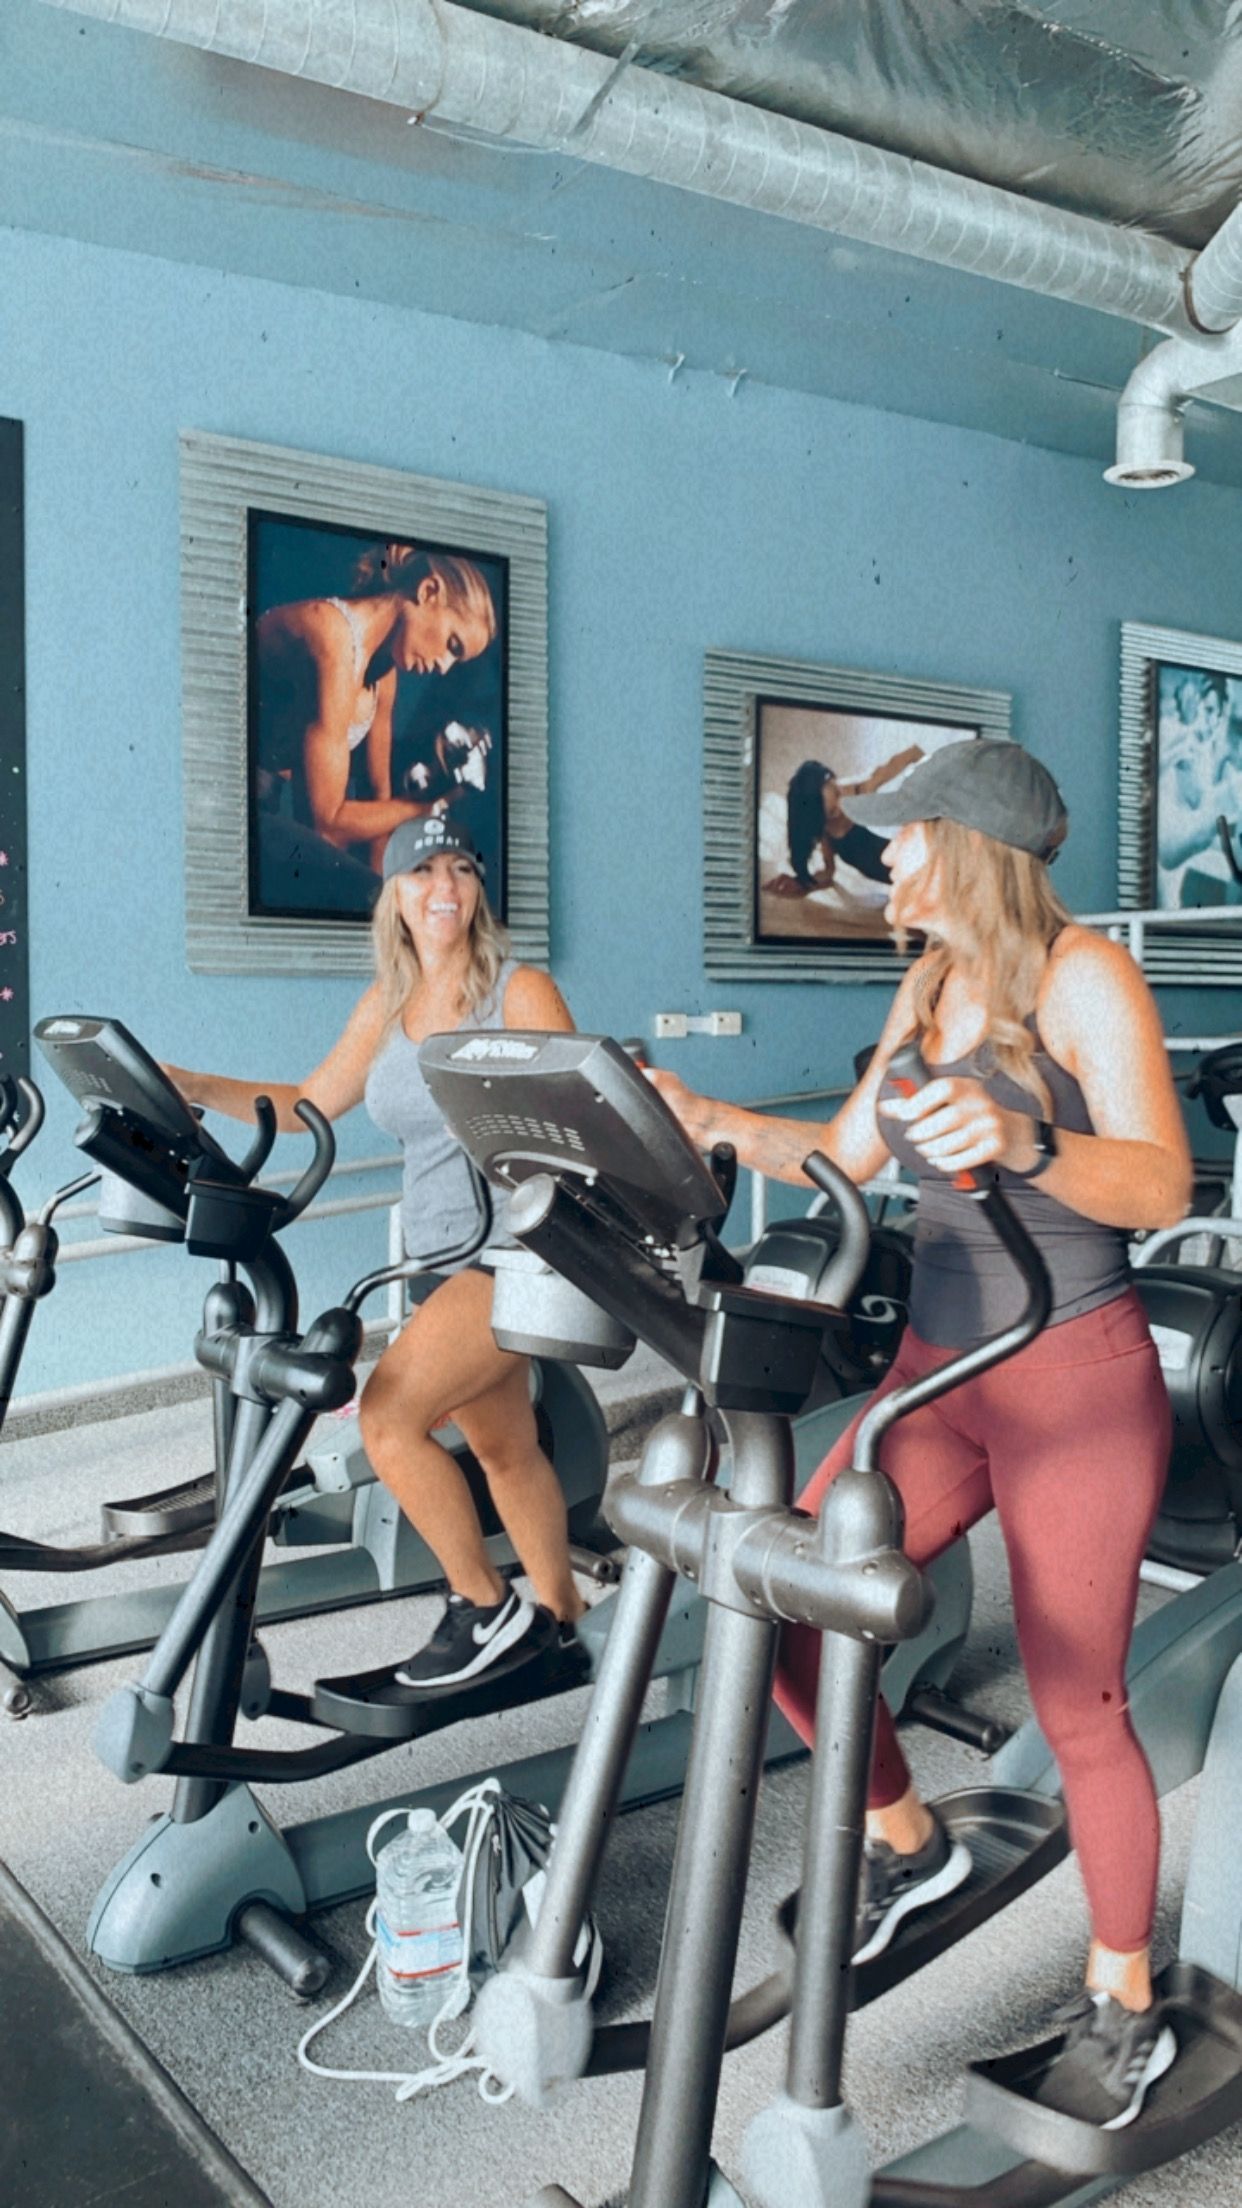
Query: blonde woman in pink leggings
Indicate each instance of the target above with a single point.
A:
(1046, 1061)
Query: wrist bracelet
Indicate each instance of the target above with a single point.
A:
(1045, 1143)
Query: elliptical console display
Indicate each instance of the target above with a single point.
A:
(573, 1104)
(138, 1127)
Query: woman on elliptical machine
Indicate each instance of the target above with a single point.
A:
(442, 963)
(1047, 1062)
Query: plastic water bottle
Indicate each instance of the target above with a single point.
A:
(417, 1931)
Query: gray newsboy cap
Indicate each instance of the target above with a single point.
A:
(982, 783)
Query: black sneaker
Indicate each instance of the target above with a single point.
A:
(1110, 2058)
(469, 1639)
(893, 1885)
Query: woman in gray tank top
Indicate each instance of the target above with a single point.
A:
(1047, 1062)
(441, 963)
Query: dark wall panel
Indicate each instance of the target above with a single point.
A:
(14, 963)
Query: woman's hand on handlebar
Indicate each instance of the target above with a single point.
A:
(956, 1125)
(684, 1103)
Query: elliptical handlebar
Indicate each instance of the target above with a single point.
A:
(255, 1158)
(722, 1161)
(301, 1194)
(907, 1073)
(59, 1196)
(845, 1268)
(27, 1114)
(457, 1253)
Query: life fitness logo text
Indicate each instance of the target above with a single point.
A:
(496, 1046)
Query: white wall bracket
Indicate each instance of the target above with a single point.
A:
(671, 1026)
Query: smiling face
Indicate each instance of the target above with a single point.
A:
(438, 900)
(431, 635)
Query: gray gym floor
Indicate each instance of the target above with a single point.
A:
(225, 2029)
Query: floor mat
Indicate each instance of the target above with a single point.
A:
(86, 2114)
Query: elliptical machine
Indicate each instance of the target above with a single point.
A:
(756, 1565)
(219, 1864)
(46, 1639)
(347, 1541)
(1195, 1314)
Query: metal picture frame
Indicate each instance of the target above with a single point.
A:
(231, 492)
(1180, 771)
(748, 936)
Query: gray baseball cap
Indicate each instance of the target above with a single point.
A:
(982, 783)
(416, 840)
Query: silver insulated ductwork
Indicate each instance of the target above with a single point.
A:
(439, 60)
(1151, 409)
(511, 82)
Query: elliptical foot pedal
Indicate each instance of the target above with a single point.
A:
(189, 1506)
(1014, 1839)
(375, 1704)
(1198, 2096)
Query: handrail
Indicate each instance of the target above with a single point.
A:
(388, 1162)
(120, 1245)
(1181, 916)
(796, 1096)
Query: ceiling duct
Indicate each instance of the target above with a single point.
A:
(439, 60)
(1214, 279)
(1150, 410)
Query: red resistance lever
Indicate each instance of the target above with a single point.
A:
(907, 1074)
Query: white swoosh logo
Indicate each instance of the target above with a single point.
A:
(485, 1633)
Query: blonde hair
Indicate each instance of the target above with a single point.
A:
(1006, 918)
(402, 567)
(396, 961)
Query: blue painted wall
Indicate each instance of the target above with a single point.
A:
(680, 518)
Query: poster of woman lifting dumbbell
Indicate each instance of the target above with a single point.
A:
(376, 693)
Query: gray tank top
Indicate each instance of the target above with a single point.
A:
(438, 1209)
(964, 1287)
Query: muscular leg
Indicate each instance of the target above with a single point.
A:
(942, 1478)
(1079, 1466)
(445, 1363)
(500, 1428)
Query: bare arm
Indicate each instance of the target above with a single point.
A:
(335, 1086)
(325, 758)
(533, 1000)
(886, 770)
(1099, 1020)
(379, 758)
(778, 1147)
(379, 738)
(1186, 810)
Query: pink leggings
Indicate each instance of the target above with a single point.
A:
(1070, 1440)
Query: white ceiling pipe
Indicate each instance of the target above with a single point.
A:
(1151, 408)
(434, 58)
(1214, 280)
